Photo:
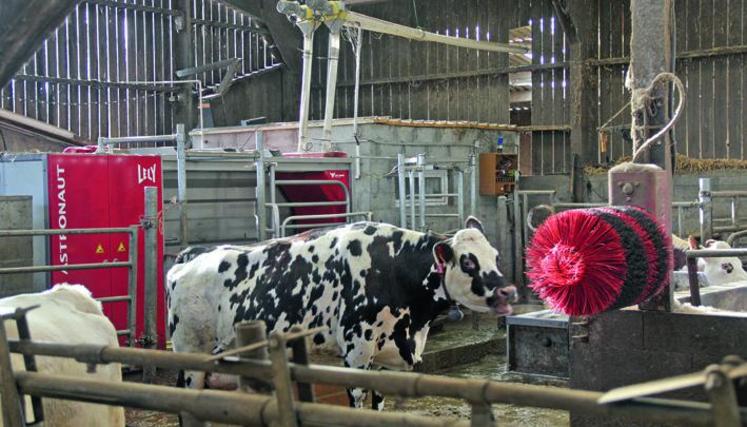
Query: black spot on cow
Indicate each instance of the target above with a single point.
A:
(188, 382)
(224, 266)
(311, 249)
(218, 307)
(172, 325)
(315, 294)
(333, 243)
(240, 274)
(315, 259)
(319, 339)
(368, 334)
(253, 270)
(370, 230)
(405, 345)
(355, 247)
(377, 401)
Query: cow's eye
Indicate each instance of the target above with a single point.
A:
(468, 264)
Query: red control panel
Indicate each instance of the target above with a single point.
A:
(95, 191)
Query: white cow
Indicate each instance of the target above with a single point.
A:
(68, 315)
(721, 271)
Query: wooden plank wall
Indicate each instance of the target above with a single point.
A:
(711, 39)
(550, 98)
(425, 81)
(415, 80)
(83, 77)
(716, 77)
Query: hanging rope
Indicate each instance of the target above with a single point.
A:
(640, 101)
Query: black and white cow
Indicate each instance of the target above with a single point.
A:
(376, 288)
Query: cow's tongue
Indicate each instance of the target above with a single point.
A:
(503, 309)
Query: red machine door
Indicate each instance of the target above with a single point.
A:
(79, 198)
(128, 177)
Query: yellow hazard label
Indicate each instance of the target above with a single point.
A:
(100, 249)
(121, 247)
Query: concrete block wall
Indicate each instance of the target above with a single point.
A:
(15, 214)
(379, 146)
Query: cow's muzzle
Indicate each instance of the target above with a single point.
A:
(501, 300)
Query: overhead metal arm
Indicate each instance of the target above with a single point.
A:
(325, 10)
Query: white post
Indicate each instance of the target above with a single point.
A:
(308, 29)
(333, 57)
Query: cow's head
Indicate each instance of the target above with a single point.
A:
(721, 270)
(471, 273)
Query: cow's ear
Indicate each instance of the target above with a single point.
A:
(475, 223)
(444, 253)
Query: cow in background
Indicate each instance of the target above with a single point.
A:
(68, 315)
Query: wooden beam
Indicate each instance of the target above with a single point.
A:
(583, 91)
(24, 24)
(283, 34)
(651, 54)
(564, 19)
(184, 57)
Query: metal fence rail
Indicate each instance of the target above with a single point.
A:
(417, 200)
(237, 408)
(286, 222)
(131, 266)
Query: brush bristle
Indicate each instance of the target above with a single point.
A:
(584, 262)
(577, 263)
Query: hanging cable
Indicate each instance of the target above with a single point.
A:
(640, 101)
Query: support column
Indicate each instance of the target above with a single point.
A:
(579, 21)
(650, 55)
(184, 57)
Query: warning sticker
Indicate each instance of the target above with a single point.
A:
(121, 247)
(100, 249)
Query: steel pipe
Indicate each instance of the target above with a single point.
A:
(260, 192)
(16, 233)
(208, 405)
(357, 20)
(406, 384)
(333, 57)
(402, 190)
(308, 29)
(284, 226)
(460, 198)
(716, 253)
(48, 268)
(727, 194)
(421, 189)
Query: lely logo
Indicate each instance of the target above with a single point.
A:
(146, 174)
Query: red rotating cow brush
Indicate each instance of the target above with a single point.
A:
(584, 262)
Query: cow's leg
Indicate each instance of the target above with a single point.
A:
(377, 401)
(359, 356)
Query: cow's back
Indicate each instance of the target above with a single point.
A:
(68, 315)
(299, 281)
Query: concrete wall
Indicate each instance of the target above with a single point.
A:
(15, 214)
(376, 190)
